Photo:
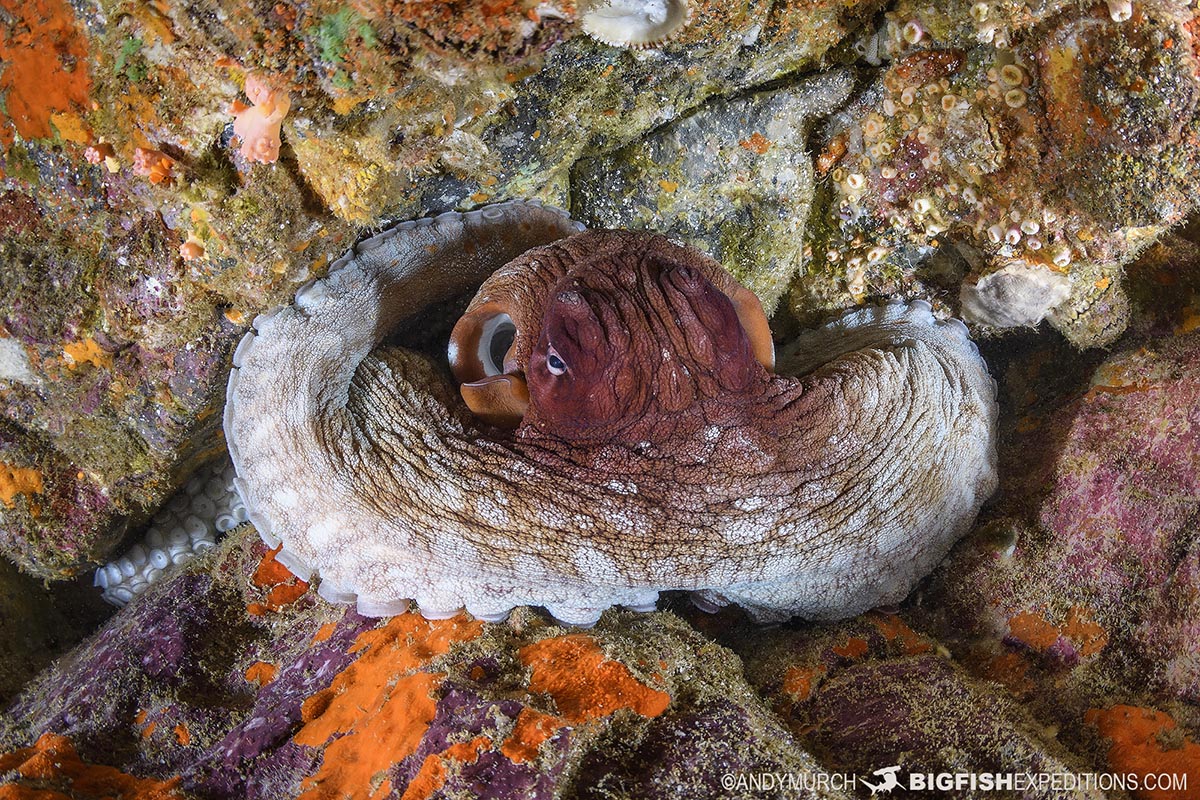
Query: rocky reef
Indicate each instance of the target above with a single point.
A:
(303, 698)
(169, 170)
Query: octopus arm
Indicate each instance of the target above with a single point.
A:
(298, 450)
(841, 488)
(898, 455)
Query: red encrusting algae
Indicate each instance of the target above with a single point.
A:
(376, 711)
(584, 683)
(1148, 742)
(530, 731)
(432, 775)
(261, 672)
(283, 587)
(1039, 634)
(16, 480)
(43, 66)
(52, 760)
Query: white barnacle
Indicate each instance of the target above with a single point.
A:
(634, 23)
(913, 32)
(1120, 10)
(1015, 98)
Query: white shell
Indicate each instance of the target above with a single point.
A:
(634, 23)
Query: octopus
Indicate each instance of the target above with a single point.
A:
(622, 427)
(204, 509)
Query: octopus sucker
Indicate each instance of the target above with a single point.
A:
(331, 593)
(657, 450)
(207, 507)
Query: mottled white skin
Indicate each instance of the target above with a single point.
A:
(373, 474)
(634, 23)
(188, 525)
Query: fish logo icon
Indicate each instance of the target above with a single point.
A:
(888, 780)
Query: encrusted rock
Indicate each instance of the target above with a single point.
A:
(258, 689)
(973, 134)
(734, 179)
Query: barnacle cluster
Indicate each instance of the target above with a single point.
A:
(928, 154)
(1005, 148)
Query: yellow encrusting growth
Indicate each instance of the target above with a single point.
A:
(86, 351)
(16, 480)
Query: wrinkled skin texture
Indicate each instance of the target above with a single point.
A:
(693, 468)
(684, 330)
(640, 329)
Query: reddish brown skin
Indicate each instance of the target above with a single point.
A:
(610, 304)
(642, 334)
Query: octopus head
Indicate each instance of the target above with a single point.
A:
(603, 334)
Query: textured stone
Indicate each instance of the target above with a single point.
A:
(734, 179)
(1092, 550)
(233, 688)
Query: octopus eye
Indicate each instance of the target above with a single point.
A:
(687, 274)
(494, 343)
(554, 363)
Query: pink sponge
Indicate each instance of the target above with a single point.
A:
(258, 125)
